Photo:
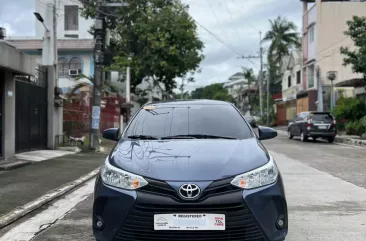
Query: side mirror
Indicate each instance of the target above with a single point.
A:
(266, 133)
(111, 134)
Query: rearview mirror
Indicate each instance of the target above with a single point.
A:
(111, 134)
(266, 133)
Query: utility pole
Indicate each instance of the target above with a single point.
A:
(268, 80)
(99, 28)
(182, 89)
(260, 84)
(261, 75)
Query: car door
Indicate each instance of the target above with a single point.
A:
(298, 124)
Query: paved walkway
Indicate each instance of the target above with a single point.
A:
(23, 185)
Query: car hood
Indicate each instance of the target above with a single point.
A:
(194, 160)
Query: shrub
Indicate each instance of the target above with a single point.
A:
(356, 127)
(350, 109)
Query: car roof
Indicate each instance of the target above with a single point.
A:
(188, 102)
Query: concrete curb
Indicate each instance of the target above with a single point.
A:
(339, 139)
(21, 211)
(13, 165)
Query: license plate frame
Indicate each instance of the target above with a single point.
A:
(322, 127)
(190, 221)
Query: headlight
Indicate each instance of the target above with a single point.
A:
(259, 177)
(118, 178)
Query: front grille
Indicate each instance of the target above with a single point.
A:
(240, 224)
(162, 188)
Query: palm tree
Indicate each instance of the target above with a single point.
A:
(249, 76)
(283, 37)
(106, 86)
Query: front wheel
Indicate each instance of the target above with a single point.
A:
(330, 139)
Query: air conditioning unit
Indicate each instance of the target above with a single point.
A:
(73, 72)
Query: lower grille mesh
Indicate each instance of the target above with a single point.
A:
(240, 224)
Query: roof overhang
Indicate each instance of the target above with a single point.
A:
(16, 61)
(360, 82)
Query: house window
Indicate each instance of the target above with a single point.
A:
(289, 81)
(75, 63)
(310, 76)
(298, 77)
(72, 17)
(312, 33)
(63, 67)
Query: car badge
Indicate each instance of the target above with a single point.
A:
(189, 191)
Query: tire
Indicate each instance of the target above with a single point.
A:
(330, 139)
(303, 138)
(289, 134)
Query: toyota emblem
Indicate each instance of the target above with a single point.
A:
(189, 191)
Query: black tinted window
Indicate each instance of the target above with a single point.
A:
(321, 117)
(218, 120)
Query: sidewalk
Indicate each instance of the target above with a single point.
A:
(25, 184)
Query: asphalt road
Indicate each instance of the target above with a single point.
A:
(325, 187)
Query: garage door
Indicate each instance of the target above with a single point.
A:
(302, 105)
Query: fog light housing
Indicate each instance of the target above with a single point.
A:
(281, 222)
(99, 224)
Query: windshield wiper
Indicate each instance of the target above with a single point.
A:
(143, 137)
(198, 136)
(179, 137)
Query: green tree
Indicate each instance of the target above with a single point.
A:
(156, 38)
(212, 92)
(357, 57)
(104, 87)
(249, 76)
(283, 37)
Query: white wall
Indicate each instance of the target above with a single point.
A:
(312, 46)
(84, 24)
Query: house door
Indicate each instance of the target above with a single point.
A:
(31, 112)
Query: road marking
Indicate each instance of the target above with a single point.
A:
(36, 224)
(321, 207)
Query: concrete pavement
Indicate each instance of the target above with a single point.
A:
(325, 186)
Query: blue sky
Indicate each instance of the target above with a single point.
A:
(235, 22)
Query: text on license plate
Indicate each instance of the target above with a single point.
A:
(189, 221)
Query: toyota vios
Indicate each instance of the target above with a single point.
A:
(189, 170)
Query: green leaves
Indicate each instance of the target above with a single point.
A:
(357, 57)
(212, 92)
(159, 36)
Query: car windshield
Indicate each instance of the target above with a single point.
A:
(199, 120)
(321, 117)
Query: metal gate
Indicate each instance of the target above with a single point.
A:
(31, 111)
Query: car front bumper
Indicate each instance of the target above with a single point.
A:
(250, 214)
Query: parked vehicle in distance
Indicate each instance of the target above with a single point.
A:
(313, 125)
(251, 120)
(189, 170)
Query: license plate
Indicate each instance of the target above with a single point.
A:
(189, 221)
(322, 127)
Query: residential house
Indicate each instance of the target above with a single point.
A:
(291, 85)
(23, 102)
(324, 23)
(238, 87)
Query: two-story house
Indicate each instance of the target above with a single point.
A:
(324, 23)
(291, 85)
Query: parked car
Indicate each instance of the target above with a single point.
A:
(313, 125)
(251, 120)
(189, 170)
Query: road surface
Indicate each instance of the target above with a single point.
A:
(325, 187)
